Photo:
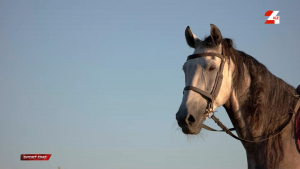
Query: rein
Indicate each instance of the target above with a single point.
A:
(211, 97)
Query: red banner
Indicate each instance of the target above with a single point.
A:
(37, 157)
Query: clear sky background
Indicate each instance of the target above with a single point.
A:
(98, 83)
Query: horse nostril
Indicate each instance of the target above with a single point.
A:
(191, 120)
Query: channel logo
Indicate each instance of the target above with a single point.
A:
(273, 18)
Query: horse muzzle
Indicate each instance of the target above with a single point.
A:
(188, 123)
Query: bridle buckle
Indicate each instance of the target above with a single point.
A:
(210, 112)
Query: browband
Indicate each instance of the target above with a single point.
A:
(199, 55)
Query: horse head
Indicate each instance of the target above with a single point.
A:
(201, 73)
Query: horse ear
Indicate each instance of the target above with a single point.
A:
(190, 37)
(215, 34)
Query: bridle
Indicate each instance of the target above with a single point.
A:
(211, 97)
(218, 81)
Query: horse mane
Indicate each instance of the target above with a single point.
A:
(270, 103)
(269, 98)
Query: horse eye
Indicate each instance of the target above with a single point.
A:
(212, 68)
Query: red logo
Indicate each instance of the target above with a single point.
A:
(39, 157)
(273, 19)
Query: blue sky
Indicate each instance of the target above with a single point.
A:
(97, 83)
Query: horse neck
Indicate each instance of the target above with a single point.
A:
(243, 116)
(253, 110)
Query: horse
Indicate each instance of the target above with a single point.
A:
(262, 107)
